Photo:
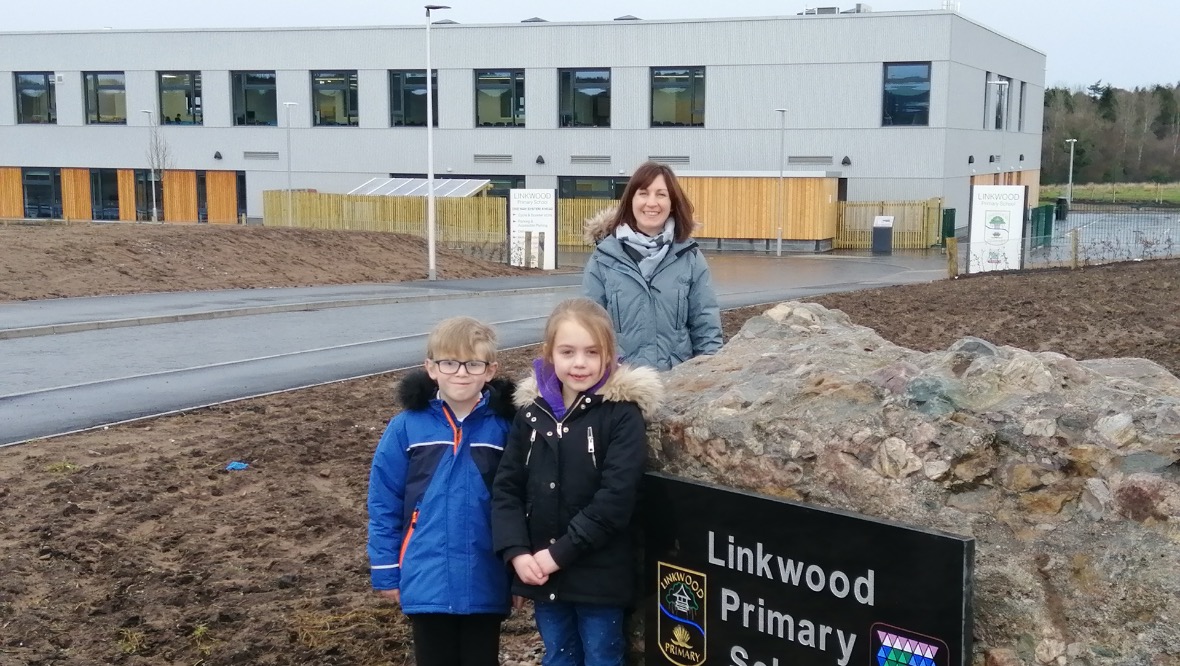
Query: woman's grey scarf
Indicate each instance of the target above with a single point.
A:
(653, 248)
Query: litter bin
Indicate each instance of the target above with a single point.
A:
(948, 225)
(1062, 208)
(883, 234)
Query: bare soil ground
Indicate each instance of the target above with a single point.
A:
(133, 545)
(41, 261)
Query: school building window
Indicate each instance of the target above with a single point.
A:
(36, 100)
(407, 97)
(334, 98)
(1020, 108)
(180, 98)
(678, 97)
(590, 187)
(104, 194)
(254, 98)
(147, 180)
(906, 94)
(996, 98)
(584, 97)
(106, 98)
(499, 98)
(42, 189)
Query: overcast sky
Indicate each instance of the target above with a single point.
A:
(1126, 43)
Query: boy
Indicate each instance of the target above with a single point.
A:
(430, 536)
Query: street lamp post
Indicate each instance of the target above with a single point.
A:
(152, 159)
(782, 157)
(431, 223)
(1069, 188)
(289, 105)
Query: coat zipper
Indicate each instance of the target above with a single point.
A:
(409, 533)
(529, 455)
(590, 445)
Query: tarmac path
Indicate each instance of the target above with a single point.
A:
(74, 364)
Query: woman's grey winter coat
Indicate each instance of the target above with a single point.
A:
(660, 323)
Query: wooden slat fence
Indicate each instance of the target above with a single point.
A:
(916, 224)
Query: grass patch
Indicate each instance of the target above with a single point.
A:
(1161, 193)
(62, 467)
(366, 636)
(131, 641)
(201, 640)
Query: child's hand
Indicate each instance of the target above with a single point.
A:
(528, 570)
(545, 561)
(393, 595)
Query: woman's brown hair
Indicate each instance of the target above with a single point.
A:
(682, 210)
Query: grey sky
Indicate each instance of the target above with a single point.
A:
(1126, 43)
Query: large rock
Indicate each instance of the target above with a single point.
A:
(1064, 472)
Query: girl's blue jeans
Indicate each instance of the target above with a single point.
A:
(581, 634)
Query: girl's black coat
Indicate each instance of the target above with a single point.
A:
(554, 490)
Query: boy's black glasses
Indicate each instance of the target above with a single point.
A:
(450, 367)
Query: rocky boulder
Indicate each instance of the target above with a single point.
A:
(1065, 472)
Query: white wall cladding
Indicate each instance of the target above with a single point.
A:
(826, 70)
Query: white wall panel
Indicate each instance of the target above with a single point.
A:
(8, 101)
(826, 70)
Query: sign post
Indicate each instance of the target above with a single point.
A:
(532, 228)
(997, 228)
(742, 579)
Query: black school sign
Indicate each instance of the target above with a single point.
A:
(741, 579)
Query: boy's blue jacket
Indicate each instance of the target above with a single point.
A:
(430, 532)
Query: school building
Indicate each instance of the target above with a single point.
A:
(877, 106)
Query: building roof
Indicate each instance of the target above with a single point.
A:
(416, 187)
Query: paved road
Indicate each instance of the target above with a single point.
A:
(73, 364)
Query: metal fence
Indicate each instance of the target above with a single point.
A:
(1091, 234)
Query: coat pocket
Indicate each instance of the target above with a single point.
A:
(401, 556)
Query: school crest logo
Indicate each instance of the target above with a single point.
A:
(681, 627)
(892, 646)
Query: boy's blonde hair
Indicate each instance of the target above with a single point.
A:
(589, 315)
(462, 339)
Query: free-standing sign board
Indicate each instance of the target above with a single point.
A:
(532, 228)
(743, 579)
(997, 228)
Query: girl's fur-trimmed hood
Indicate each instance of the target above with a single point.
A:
(640, 385)
(417, 389)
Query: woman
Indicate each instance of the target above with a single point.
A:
(651, 276)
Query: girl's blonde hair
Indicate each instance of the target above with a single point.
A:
(590, 316)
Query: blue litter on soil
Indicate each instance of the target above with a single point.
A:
(235, 466)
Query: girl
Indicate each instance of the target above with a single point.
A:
(647, 271)
(566, 487)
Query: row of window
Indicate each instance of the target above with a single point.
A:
(584, 97)
(43, 194)
(677, 97)
(43, 191)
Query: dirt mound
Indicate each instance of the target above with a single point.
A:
(40, 261)
(134, 545)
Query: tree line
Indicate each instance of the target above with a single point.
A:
(1122, 135)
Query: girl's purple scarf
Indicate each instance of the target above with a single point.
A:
(550, 387)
